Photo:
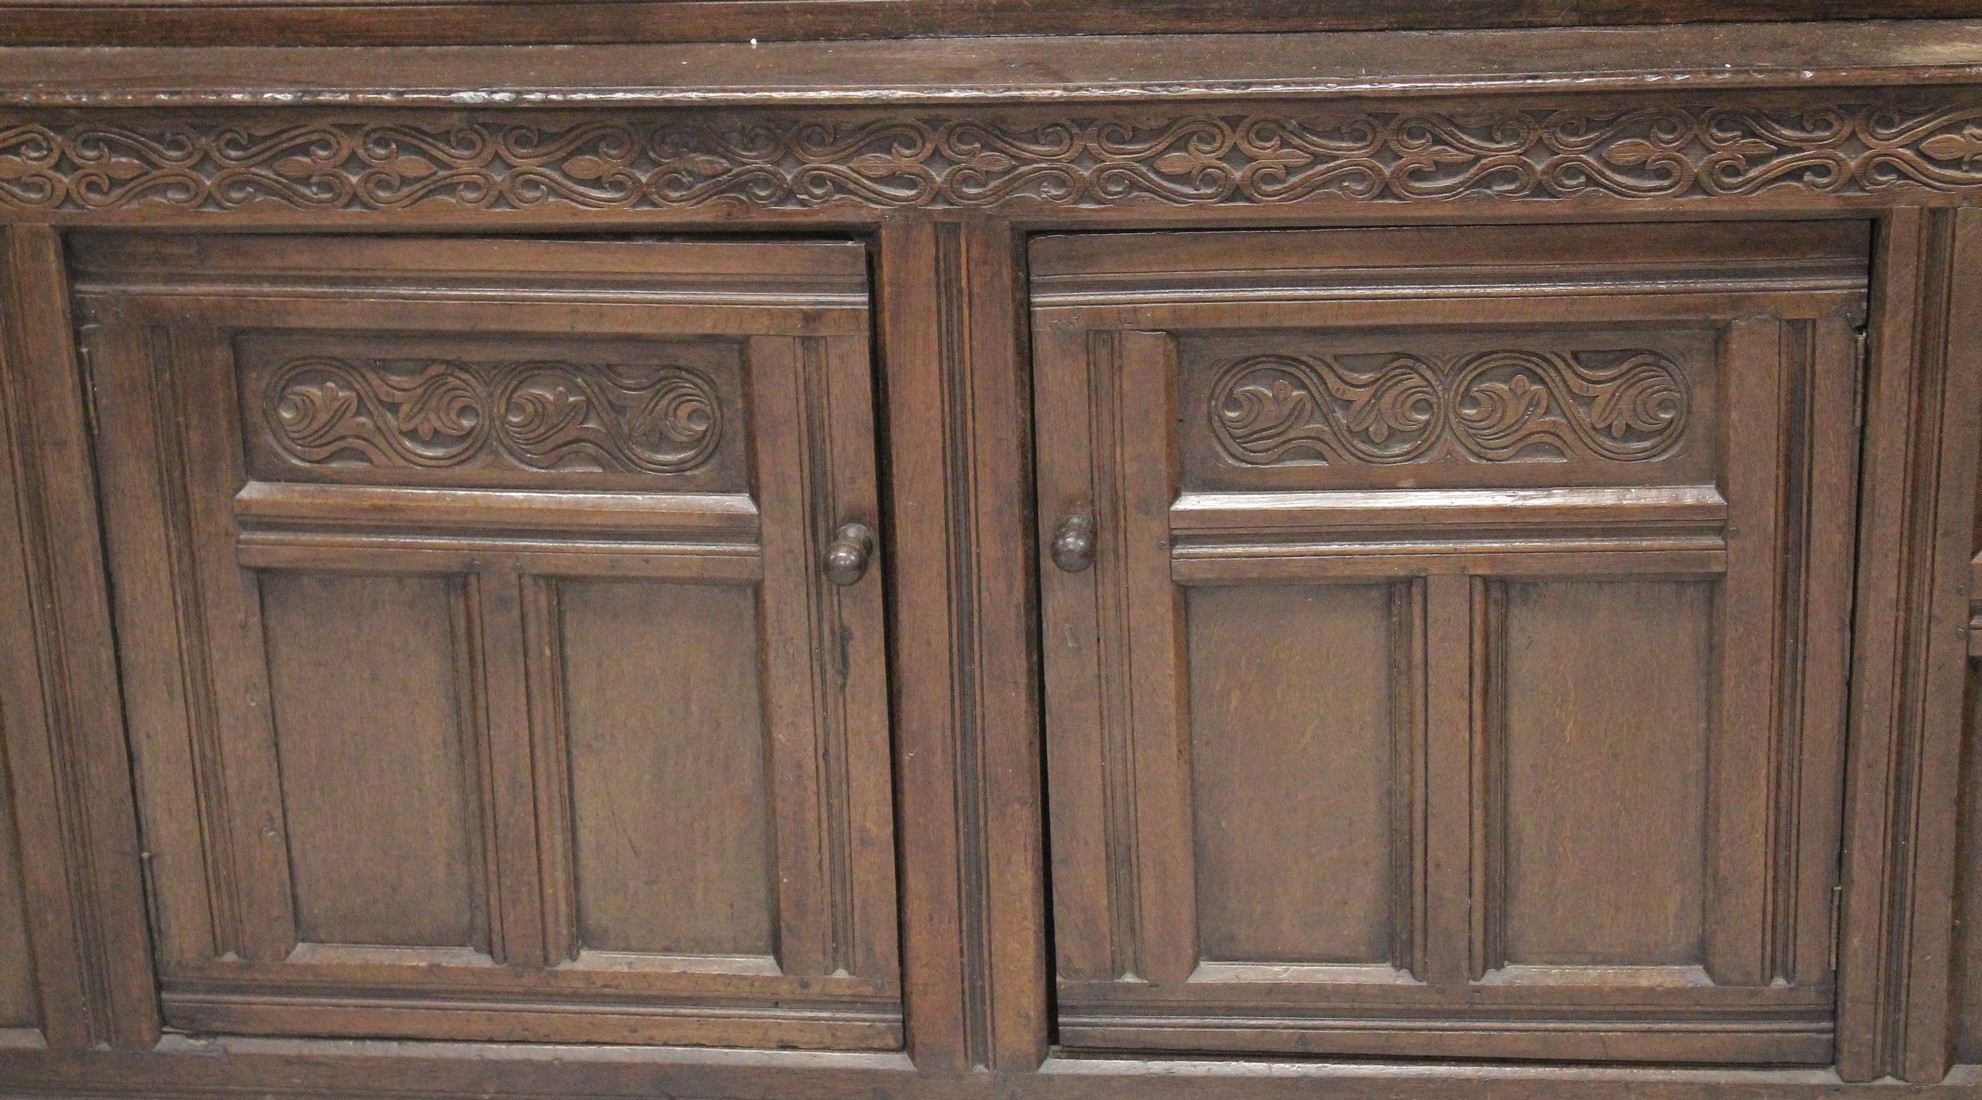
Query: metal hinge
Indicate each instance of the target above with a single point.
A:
(1837, 921)
(1864, 372)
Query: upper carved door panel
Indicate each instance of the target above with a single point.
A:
(504, 648)
(1445, 636)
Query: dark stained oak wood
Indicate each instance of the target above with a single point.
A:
(367, 22)
(952, 356)
(1587, 802)
(1027, 66)
(1402, 562)
(575, 781)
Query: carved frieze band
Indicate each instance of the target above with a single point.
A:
(781, 163)
(1495, 406)
(323, 411)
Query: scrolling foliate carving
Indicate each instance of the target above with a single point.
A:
(767, 162)
(427, 414)
(1495, 406)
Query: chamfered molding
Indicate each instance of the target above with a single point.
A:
(134, 164)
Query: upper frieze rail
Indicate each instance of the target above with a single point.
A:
(133, 162)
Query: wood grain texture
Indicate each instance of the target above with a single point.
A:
(1896, 957)
(1293, 773)
(63, 720)
(953, 355)
(203, 22)
(1023, 63)
(1613, 793)
(665, 726)
(1606, 718)
(380, 781)
(550, 803)
(20, 1004)
(941, 153)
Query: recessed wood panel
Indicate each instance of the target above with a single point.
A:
(17, 996)
(1292, 772)
(669, 803)
(379, 780)
(1605, 741)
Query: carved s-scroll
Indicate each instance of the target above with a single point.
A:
(324, 411)
(1494, 406)
(612, 161)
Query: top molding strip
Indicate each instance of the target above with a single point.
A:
(1206, 67)
(520, 22)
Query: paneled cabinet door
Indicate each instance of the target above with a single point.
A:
(1445, 636)
(503, 635)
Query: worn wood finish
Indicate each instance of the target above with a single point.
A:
(206, 22)
(417, 771)
(952, 347)
(1616, 808)
(1469, 697)
(65, 749)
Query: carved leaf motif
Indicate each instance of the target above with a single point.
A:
(1964, 146)
(323, 411)
(1630, 152)
(1494, 406)
(1359, 154)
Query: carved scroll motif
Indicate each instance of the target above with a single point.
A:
(1495, 406)
(434, 414)
(613, 162)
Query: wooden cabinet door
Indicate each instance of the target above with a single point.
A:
(1445, 636)
(486, 678)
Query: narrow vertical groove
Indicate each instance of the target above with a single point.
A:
(543, 638)
(209, 759)
(1407, 809)
(953, 324)
(1780, 904)
(464, 600)
(1114, 696)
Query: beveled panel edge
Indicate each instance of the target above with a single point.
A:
(1413, 262)
(820, 274)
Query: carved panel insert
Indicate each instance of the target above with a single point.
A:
(533, 415)
(493, 411)
(1509, 405)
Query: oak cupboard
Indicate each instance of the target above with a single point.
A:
(681, 548)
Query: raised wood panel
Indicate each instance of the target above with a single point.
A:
(19, 1004)
(381, 770)
(510, 412)
(1599, 515)
(1606, 713)
(1332, 409)
(492, 685)
(664, 719)
(1297, 782)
